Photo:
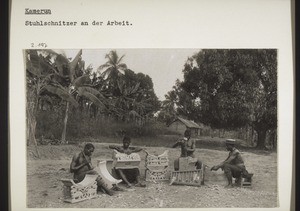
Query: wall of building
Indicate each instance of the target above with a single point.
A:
(177, 127)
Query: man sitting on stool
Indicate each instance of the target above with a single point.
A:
(128, 175)
(188, 147)
(234, 165)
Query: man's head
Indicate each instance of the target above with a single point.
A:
(89, 149)
(126, 142)
(187, 133)
(230, 144)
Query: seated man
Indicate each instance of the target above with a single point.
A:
(128, 175)
(188, 147)
(233, 166)
(81, 165)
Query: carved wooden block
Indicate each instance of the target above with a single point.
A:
(124, 161)
(76, 192)
(157, 176)
(157, 167)
(191, 178)
(107, 178)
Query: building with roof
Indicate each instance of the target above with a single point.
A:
(179, 125)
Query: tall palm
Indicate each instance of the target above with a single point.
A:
(169, 104)
(112, 70)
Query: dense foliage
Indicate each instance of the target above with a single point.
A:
(57, 85)
(229, 89)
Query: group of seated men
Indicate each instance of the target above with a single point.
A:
(81, 163)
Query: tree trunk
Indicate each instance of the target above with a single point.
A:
(262, 134)
(63, 137)
(274, 139)
(31, 112)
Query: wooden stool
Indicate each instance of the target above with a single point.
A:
(105, 175)
(157, 167)
(187, 163)
(75, 192)
(247, 182)
(192, 178)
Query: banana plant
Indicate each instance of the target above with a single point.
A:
(79, 87)
(42, 76)
(51, 73)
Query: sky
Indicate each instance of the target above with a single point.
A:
(164, 66)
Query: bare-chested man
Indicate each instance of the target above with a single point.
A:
(128, 175)
(188, 147)
(233, 166)
(82, 164)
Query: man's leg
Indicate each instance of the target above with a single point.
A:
(228, 174)
(102, 186)
(138, 178)
(100, 183)
(198, 164)
(232, 171)
(123, 177)
(176, 164)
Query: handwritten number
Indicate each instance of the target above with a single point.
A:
(39, 45)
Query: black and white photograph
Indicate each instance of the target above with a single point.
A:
(151, 105)
(151, 128)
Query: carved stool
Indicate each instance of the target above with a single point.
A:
(247, 182)
(124, 161)
(192, 178)
(75, 192)
(157, 167)
(104, 174)
(187, 163)
(188, 174)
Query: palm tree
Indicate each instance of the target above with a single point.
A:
(112, 70)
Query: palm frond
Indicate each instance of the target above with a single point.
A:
(93, 98)
(106, 73)
(84, 79)
(61, 63)
(122, 66)
(74, 63)
(103, 67)
(62, 93)
(33, 64)
(91, 90)
(120, 59)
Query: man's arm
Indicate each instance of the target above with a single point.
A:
(178, 143)
(135, 149)
(119, 149)
(228, 160)
(73, 167)
(193, 147)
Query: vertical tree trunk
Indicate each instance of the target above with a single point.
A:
(31, 112)
(262, 134)
(64, 132)
(274, 139)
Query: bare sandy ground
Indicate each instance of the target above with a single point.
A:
(45, 188)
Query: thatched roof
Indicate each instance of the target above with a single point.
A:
(187, 123)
